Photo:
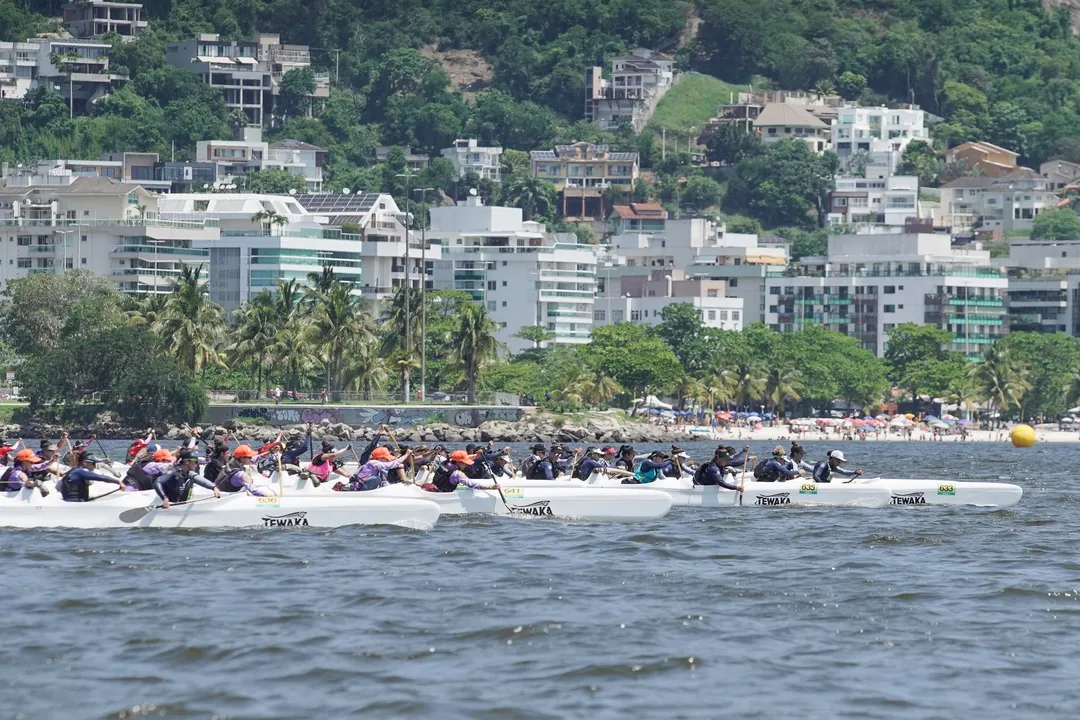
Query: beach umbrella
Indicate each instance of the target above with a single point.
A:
(939, 424)
(929, 418)
(1067, 420)
(909, 416)
(948, 418)
(753, 417)
(899, 421)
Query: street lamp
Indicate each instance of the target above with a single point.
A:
(65, 233)
(423, 293)
(406, 390)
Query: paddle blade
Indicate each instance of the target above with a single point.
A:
(136, 514)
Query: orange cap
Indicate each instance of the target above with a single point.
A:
(244, 451)
(164, 455)
(460, 456)
(381, 453)
(26, 455)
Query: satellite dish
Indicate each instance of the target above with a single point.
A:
(345, 191)
(472, 191)
(292, 191)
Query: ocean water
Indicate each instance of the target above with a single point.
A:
(748, 612)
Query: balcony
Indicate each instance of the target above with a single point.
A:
(46, 249)
(978, 302)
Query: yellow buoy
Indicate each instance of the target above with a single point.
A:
(1022, 436)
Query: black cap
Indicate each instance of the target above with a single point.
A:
(47, 446)
(94, 459)
(187, 455)
(538, 447)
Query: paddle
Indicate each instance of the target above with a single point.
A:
(104, 495)
(742, 478)
(136, 514)
(280, 474)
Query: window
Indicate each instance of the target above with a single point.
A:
(712, 314)
(735, 316)
(599, 315)
(504, 303)
(491, 285)
(889, 326)
(733, 282)
(82, 261)
(710, 293)
(890, 308)
(775, 290)
(504, 283)
(24, 240)
(69, 263)
(24, 262)
(504, 263)
(723, 314)
(635, 316)
(617, 316)
(491, 305)
(83, 238)
(890, 289)
(840, 202)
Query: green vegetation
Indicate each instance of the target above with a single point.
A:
(691, 103)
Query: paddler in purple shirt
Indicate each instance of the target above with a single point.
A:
(379, 471)
(452, 473)
(18, 476)
(241, 476)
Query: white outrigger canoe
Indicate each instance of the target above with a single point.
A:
(685, 493)
(28, 509)
(521, 498)
(861, 492)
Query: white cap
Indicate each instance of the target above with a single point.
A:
(683, 455)
(836, 455)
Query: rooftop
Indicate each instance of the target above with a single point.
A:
(640, 211)
(787, 114)
(289, 144)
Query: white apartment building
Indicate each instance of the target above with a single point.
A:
(248, 152)
(630, 96)
(93, 18)
(252, 255)
(743, 265)
(467, 156)
(1044, 285)
(641, 299)
(789, 121)
(868, 284)
(18, 69)
(880, 132)
(1006, 204)
(110, 228)
(89, 79)
(248, 72)
(644, 240)
(380, 223)
(523, 274)
(877, 202)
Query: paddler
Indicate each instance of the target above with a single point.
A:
(452, 473)
(776, 468)
(290, 459)
(547, 468)
(153, 461)
(591, 464)
(138, 446)
(502, 466)
(825, 469)
(240, 474)
(215, 464)
(713, 472)
(323, 465)
(381, 470)
(74, 486)
(796, 459)
(626, 458)
(680, 461)
(651, 468)
(18, 477)
(174, 485)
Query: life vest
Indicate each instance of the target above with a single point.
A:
(139, 477)
(699, 474)
(528, 465)
(72, 492)
(322, 470)
(763, 475)
(4, 482)
(441, 480)
(224, 483)
(646, 476)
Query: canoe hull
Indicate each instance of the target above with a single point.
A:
(27, 509)
(915, 493)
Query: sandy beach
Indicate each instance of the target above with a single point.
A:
(782, 433)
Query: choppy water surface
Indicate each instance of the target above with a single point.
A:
(898, 612)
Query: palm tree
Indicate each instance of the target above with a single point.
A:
(473, 345)
(365, 370)
(256, 335)
(534, 196)
(999, 379)
(147, 310)
(782, 383)
(688, 387)
(192, 325)
(287, 299)
(404, 364)
(718, 391)
(268, 219)
(962, 395)
(594, 388)
(747, 381)
(336, 324)
(394, 332)
(291, 353)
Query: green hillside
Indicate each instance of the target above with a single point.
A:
(691, 103)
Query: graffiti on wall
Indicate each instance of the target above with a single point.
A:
(400, 416)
